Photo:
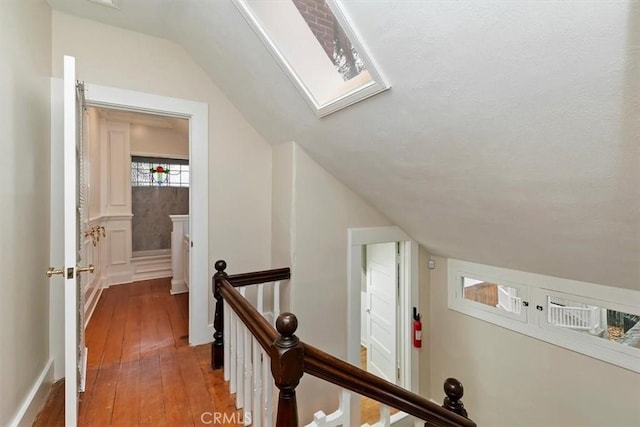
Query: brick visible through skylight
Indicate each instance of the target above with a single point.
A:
(334, 41)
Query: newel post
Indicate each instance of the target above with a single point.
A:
(454, 391)
(217, 348)
(287, 367)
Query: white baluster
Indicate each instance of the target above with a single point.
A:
(385, 416)
(339, 417)
(248, 373)
(240, 358)
(233, 354)
(319, 420)
(260, 305)
(226, 320)
(256, 415)
(276, 301)
(267, 385)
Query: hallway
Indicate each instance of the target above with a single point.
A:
(140, 368)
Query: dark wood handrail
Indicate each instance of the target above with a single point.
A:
(337, 371)
(290, 358)
(253, 320)
(245, 279)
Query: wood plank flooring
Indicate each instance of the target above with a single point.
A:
(140, 368)
(369, 408)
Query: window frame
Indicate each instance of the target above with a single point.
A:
(377, 84)
(538, 287)
(481, 308)
(176, 161)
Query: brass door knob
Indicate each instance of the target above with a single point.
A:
(51, 271)
(91, 268)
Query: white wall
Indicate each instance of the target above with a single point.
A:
(316, 210)
(513, 380)
(24, 198)
(239, 158)
(424, 299)
(282, 230)
(153, 141)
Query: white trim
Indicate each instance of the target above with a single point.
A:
(92, 301)
(119, 217)
(357, 237)
(198, 115)
(109, 3)
(538, 287)
(160, 156)
(460, 303)
(35, 399)
(56, 290)
(409, 363)
(151, 266)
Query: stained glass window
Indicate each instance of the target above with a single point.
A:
(158, 171)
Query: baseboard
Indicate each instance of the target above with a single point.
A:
(178, 287)
(150, 275)
(92, 302)
(119, 279)
(35, 399)
(149, 267)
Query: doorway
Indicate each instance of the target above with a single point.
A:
(380, 314)
(136, 200)
(379, 305)
(200, 330)
(394, 260)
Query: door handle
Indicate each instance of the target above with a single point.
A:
(51, 271)
(91, 268)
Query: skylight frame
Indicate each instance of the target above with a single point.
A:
(377, 84)
(108, 3)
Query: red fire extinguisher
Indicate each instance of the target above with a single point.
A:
(417, 329)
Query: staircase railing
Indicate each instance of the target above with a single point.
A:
(290, 359)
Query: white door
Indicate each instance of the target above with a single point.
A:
(73, 327)
(382, 289)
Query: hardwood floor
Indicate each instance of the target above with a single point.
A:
(140, 368)
(369, 408)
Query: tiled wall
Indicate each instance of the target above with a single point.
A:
(151, 207)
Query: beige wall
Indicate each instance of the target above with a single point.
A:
(239, 158)
(424, 299)
(153, 141)
(282, 213)
(322, 209)
(24, 196)
(513, 380)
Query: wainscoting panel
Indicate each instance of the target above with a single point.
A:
(118, 246)
(117, 168)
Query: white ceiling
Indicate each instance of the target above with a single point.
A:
(510, 136)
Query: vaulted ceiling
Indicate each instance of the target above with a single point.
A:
(510, 136)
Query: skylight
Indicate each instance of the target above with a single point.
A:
(315, 44)
(108, 3)
(329, 33)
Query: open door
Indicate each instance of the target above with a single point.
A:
(382, 290)
(74, 350)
